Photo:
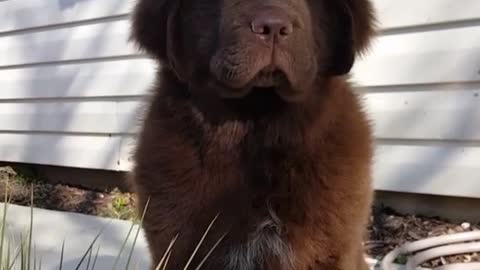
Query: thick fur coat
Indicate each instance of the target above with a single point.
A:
(253, 120)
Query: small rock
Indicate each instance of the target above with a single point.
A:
(466, 225)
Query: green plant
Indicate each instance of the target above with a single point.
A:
(121, 207)
(23, 175)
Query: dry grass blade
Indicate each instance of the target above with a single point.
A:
(61, 255)
(30, 232)
(7, 263)
(12, 264)
(22, 254)
(210, 252)
(166, 260)
(89, 248)
(122, 248)
(34, 258)
(89, 258)
(95, 258)
(200, 242)
(165, 254)
(4, 225)
(137, 234)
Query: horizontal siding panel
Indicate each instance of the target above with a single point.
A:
(95, 152)
(127, 147)
(99, 79)
(449, 115)
(437, 115)
(20, 14)
(108, 117)
(408, 13)
(462, 86)
(443, 56)
(107, 39)
(130, 114)
(450, 170)
(419, 68)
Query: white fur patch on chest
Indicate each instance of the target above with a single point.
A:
(263, 245)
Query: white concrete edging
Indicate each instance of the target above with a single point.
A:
(51, 228)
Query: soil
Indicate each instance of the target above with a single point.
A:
(386, 231)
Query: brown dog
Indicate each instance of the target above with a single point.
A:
(253, 120)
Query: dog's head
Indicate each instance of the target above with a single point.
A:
(239, 46)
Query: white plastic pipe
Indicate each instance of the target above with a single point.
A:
(433, 253)
(460, 266)
(430, 248)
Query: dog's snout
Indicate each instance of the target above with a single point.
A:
(272, 23)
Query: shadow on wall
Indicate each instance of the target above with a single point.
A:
(441, 151)
(54, 53)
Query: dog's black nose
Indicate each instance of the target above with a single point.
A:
(271, 23)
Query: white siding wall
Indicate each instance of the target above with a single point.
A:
(422, 85)
(70, 84)
(71, 87)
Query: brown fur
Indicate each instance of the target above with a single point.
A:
(286, 167)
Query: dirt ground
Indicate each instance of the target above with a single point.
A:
(387, 229)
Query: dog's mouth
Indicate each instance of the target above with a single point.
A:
(269, 77)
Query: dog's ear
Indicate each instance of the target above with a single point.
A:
(352, 27)
(153, 26)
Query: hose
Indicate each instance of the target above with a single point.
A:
(460, 266)
(435, 247)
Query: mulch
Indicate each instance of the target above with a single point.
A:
(113, 204)
(387, 229)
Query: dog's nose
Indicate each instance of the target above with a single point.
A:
(272, 23)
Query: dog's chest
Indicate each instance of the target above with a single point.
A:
(241, 154)
(268, 180)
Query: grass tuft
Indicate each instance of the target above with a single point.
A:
(25, 256)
